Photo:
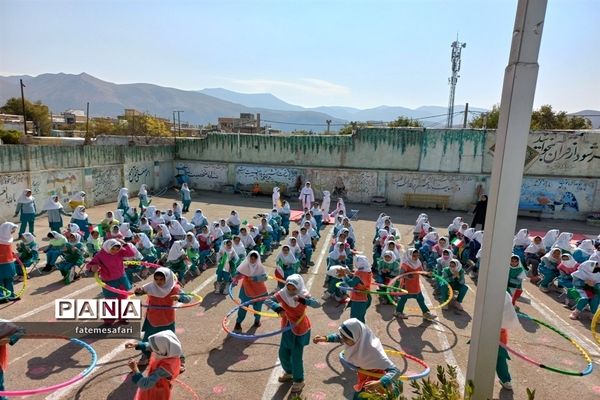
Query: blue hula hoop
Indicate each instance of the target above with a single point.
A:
(250, 337)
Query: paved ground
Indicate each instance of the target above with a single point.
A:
(226, 368)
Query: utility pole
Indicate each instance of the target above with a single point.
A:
(23, 104)
(466, 115)
(87, 123)
(178, 119)
(518, 91)
(328, 125)
(455, 59)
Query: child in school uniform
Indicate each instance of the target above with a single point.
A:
(454, 274)
(55, 210)
(360, 280)
(143, 196)
(583, 252)
(533, 255)
(80, 218)
(199, 220)
(287, 264)
(53, 250)
(290, 303)
(227, 261)
(549, 268)
(586, 280)
(253, 275)
(73, 256)
(233, 222)
(285, 211)
(364, 350)
(7, 260)
(94, 243)
(412, 284)
(192, 250)
(28, 252)
(165, 364)
(163, 291)
(516, 275)
(177, 260)
(567, 266)
(186, 197)
(388, 267)
(123, 199)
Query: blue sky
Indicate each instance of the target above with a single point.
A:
(308, 52)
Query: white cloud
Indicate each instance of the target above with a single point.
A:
(311, 86)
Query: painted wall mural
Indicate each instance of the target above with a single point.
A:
(107, 182)
(557, 195)
(202, 175)
(247, 175)
(11, 187)
(353, 186)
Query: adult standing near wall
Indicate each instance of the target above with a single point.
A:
(307, 196)
(479, 212)
(26, 207)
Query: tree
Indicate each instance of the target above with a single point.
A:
(543, 119)
(37, 112)
(102, 126)
(405, 122)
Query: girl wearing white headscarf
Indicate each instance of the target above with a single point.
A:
(275, 197)
(340, 208)
(419, 230)
(246, 239)
(80, 218)
(360, 281)
(516, 275)
(7, 259)
(73, 256)
(199, 220)
(583, 252)
(567, 266)
(290, 303)
(132, 217)
(157, 219)
(119, 215)
(162, 239)
(253, 276)
(364, 351)
(53, 250)
(295, 248)
(185, 224)
(123, 199)
(177, 260)
(143, 196)
(587, 282)
(145, 227)
(192, 249)
(394, 247)
(227, 261)
(533, 255)
(145, 247)
(77, 199)
(287, 264)
(55, 210)
(307, 196)
(126, 232)
(149, 212)
(28, 253)
(326, 203)
(285, 211)
(549, 268)
(550, 238)
(165, 366)
(234, 221)
(520, 243)
(339, 255)
(412, 284)
(186, 197)
(564, 242)
(510, 320)
(454, 228)
(176, 230)
(26, 207)
(162, 292)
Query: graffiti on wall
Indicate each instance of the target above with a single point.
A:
(202, 176)
(555, 195)
(565, 147)
(137, 174)
(107, 183)
(435, 184)
(11, 187)
(354, 186)
(247, 175)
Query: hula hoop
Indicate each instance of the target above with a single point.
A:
(182, 305)
(594, 325)
(5, 290)
(441, 305)
(420, 375)
(188, 389)
(270, 314)
(142, 263)
(103, 284)
(340, 285)
(253, 337)
(586, 371)
(47, 389)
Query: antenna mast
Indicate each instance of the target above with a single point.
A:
(455, 59)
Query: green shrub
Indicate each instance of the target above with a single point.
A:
(10, 137)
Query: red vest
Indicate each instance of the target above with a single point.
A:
(366, 278)
(295, 315)
(6, 254)
(253, 289)
(162, 316)
(162, 389)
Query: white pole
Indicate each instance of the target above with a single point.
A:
(518, 92)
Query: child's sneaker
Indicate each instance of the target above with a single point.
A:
(575, 314)
(544, 289)
(285, 378)
(507, 385)
(297, 387)
(237, 327)
(458, 306)
(429, 316)
(400, 315)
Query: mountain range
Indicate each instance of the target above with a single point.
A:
(69, 91)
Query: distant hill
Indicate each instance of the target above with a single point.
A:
(260, 100)
(65, 91)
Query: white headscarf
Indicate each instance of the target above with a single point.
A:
(165, 344)
(176, 250)
(469, 233)
(161, 291)
(29, 238)
(362, 263)
(199, 218)
(234, 218)
(522, 238)
(164, 231)
(123, 192)
(50, 204)
(77, 237)
(149, 212)
(367, 351)
(143, 190)
(125, 231)
(535, 248)
(191, 243)
(326, 201)
(79, 196)
(249, 269)
(185, 187)
(6, 236)
(296, 281)
(595, 256)
(335, 253)
(564, 241)
(80, 213)
(510, 320)
(118, 214)
(74, 228)
(289, 259)
(431, 237)
(456, 224)
(109, 244)
(585, 272)
(458, 264)
(25, 199)
(144, 227)
(185, 224)
(389, 253)
(175, 228)
(145, 241)
(409, 261)
(285, 208)
(550, 238)
(587, 246)
(336, 270)
(570, 263)
(478, 237)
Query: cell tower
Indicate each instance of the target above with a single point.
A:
(455, 58)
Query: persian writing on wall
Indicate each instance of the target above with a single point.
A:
(201, 175)
(248, 175)
(11, 187)
(353, 186)
(107, 182)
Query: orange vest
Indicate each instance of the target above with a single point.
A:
(6, 254)
(503, 336)
(162, 389)
(366, 278)
(294, 314)
(162, 316)
(364, 379)
(253, 289)
(411, 283)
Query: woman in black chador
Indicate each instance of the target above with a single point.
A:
(479, 212)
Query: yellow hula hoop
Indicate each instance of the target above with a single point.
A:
(269, 314)
(420, 375)
(3, 289)
(441, 305)
(594, 325)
